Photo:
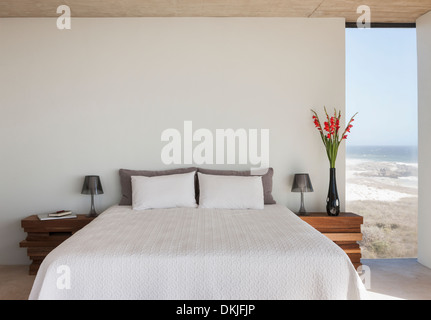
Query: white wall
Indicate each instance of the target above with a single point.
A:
(96, 98)
(423, 26)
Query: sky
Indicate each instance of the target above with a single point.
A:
(381, 84)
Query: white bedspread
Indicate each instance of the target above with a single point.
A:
(197, 254)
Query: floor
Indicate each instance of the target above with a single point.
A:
(387, 279)
(401, 279)
(15, 283)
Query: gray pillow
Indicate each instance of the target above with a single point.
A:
(266, 180)
(126, 180)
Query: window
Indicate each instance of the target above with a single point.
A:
(381, 152)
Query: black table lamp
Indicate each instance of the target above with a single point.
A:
(92, 185)
(302, 183)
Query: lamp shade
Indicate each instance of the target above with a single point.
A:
(302, 183)
(92, 185)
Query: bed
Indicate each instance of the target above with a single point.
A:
(197, 253)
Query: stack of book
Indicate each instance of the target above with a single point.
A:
(62, 214)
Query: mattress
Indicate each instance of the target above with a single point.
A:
(194, 253)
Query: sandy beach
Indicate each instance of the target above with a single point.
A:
(385, 194)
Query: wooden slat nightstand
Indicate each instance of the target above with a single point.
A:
(44, 235)
(344, 230)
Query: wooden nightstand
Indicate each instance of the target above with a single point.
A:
(344, 230)
(44, 235)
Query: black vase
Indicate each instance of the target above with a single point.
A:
(332, 202)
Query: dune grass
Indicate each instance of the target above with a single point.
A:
(389, 229)
(390, 222)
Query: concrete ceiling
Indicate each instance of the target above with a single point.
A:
(382, 11)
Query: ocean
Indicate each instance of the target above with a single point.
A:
(404, 154)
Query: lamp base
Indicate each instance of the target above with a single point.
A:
(302, 211)
(91, 214)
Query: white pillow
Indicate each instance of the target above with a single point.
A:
(230, 192)
(170, 191)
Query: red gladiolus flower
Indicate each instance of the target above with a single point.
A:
(331, 138)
